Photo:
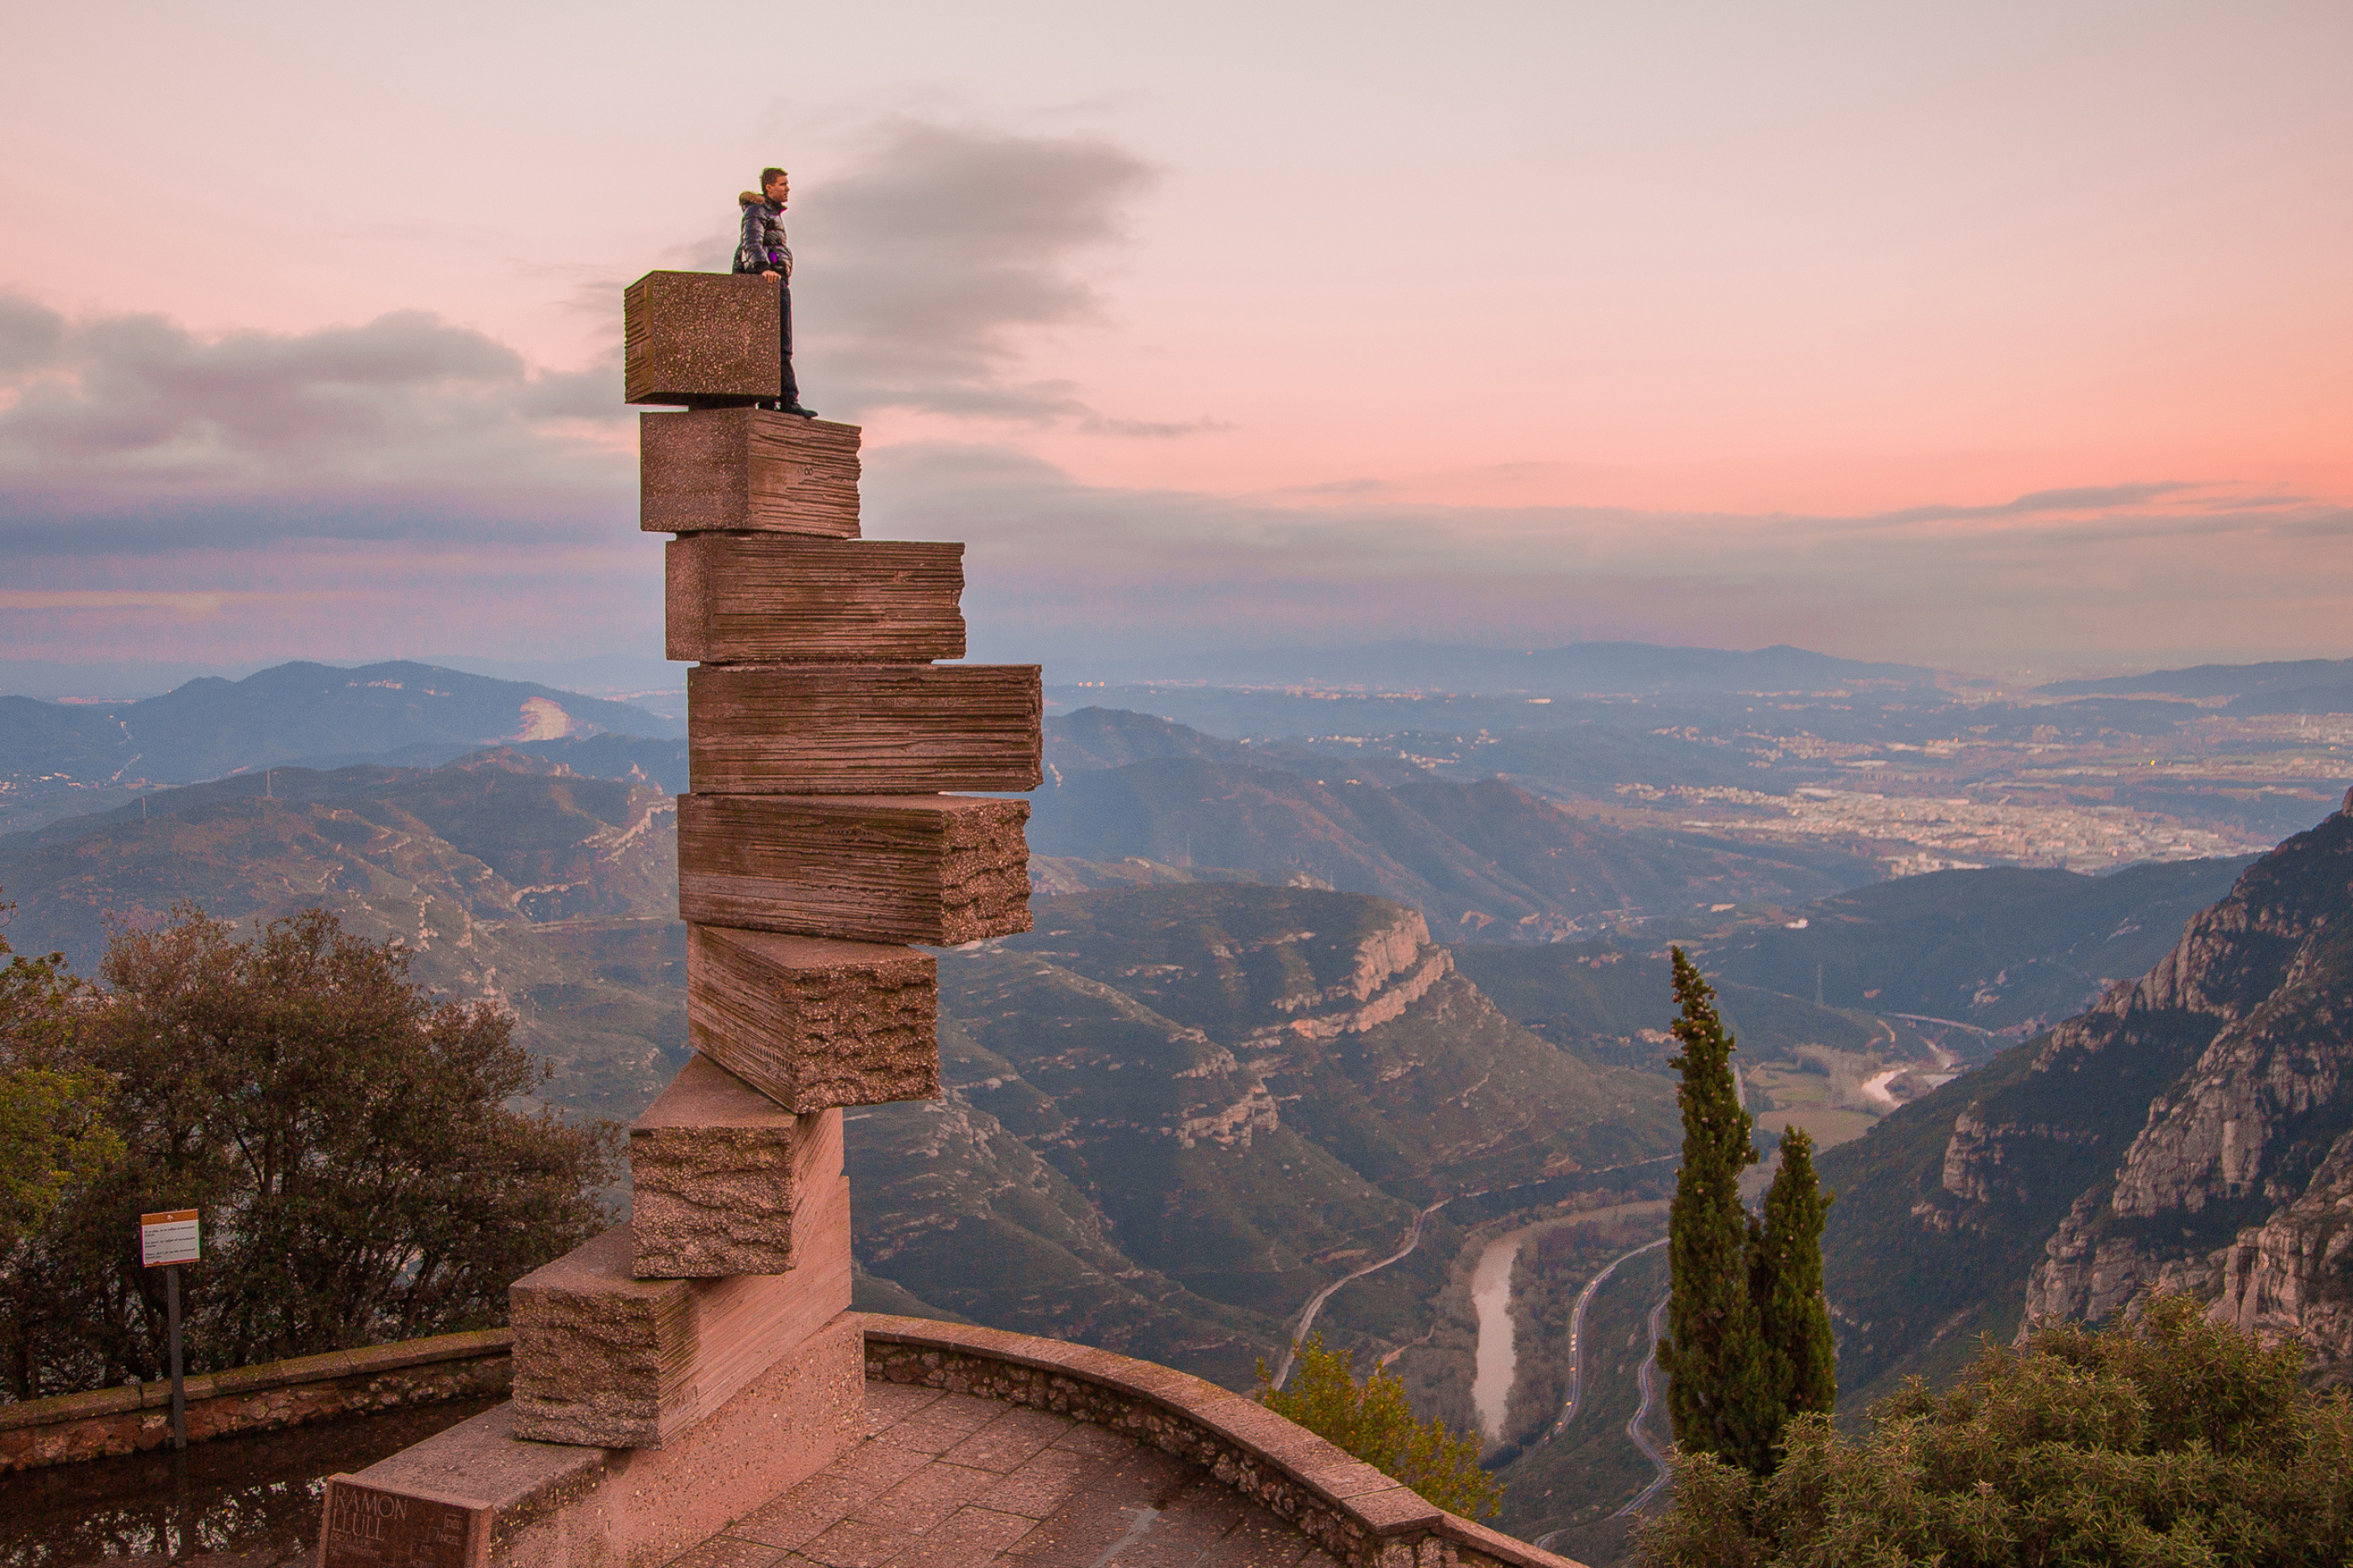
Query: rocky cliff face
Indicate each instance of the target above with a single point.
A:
(2237, 1184)
(2192, 1131)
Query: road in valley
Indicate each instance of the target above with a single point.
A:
(1316, 1302)
(1649, 1381)
(1576, 1335)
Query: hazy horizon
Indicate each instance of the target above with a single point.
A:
(2007, 341)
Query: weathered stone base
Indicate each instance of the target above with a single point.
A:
(606, 1359)
(723, 1179)
(557, 1506)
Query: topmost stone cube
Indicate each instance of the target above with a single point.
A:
(701, 339)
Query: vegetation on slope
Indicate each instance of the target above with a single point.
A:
(2172, 1440)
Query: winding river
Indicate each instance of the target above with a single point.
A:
(1490, 1300)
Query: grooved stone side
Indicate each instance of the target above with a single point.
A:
(722, 1180)
(609, 1360)
(937, 869)
(863, 729)
(773, 598)
(688, 337)
(556, 1505)
(812, 1023)
(747, 470)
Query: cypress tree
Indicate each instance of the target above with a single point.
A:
(1786, 1284)
(1714, 1358)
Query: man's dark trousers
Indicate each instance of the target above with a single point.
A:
(790, 392)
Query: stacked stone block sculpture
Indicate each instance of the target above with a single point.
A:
(816, 836)
(819, 839)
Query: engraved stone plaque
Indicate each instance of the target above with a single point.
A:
(374, 1526)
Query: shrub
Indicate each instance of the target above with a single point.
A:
(2173, 1440)
(1373, 1420)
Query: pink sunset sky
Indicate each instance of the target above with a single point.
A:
(2013, 338)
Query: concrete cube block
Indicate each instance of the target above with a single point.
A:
(939, 869)
(606, 1359)
(723, 1179)
(863, 729)
(748, 470)
(701, 339)
(771, 598)
(813, 1023)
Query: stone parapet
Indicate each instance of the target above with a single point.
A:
(109, 1422)
(1352, 1510)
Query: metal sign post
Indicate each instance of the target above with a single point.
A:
(166, 1240)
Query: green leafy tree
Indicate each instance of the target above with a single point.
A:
(1785, 1282)
(2172, 1440)
(1718, 1390)
(363, 1173)
(56, 1141)
(1374, 1421)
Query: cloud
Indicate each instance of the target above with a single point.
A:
(130, 432)
(940, 254)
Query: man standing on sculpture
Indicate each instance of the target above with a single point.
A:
(760, 248)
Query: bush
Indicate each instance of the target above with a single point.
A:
(2174, 1440)
(1373, 1422)
(363, 1173)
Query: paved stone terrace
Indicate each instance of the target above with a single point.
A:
(949, 1480)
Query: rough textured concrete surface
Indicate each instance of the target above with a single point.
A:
(700, 339)
(723, 1179)
(773, 598)
(940, 869)
(813, 1023)
(863, 729)
(607, 1358)
(744, 469)
(560, 1506)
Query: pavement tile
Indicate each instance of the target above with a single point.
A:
(855, 1543)
(1079, 1534)
(1046, 1481)
(877, 1465)
(726, 1551)
(1082, 1438)
(943, 1424)
(925, 1498)
(801, 1513)
(1002, 1446)
(887, 1404)
(1146, 1474)
(968, 1538)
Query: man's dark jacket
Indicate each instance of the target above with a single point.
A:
(760, 246)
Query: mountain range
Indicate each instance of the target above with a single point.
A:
(2294, 686)
(60, 759)
(2192, 1131)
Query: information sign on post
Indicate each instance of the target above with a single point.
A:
(166, 1240)
(168, 1237)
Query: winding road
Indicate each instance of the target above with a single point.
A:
(1576, 1335)
(1316, 1302)
(1649, 1381)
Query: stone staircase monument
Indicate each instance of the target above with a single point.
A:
(704, 1351)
